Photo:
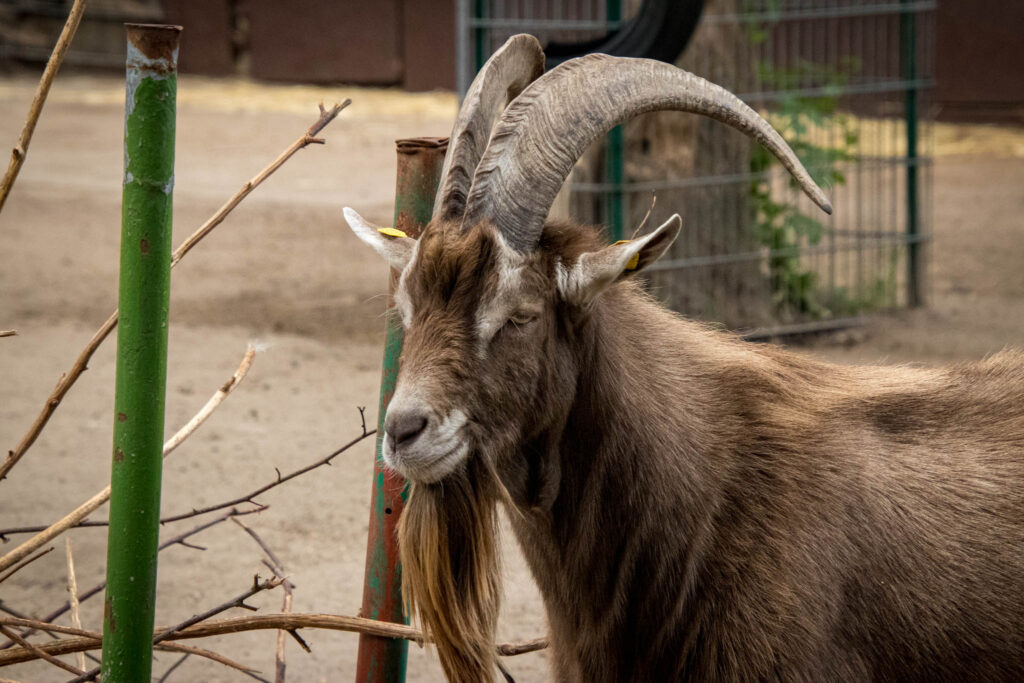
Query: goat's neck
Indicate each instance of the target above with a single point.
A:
(626, 463)
(641, 408)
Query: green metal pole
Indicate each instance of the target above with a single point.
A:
(908, 43)
(383, 660)
(141, 352)
(615, 161)
(480, 38)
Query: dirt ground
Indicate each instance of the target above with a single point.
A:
(284, 270)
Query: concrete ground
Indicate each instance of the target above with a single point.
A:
(285, 270)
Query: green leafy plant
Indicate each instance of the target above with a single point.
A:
(781, 225)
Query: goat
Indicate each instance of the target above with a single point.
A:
(691, 506)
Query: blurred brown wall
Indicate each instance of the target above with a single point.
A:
(407, 43)
(206, 42)
(980, 60)
(411, 43)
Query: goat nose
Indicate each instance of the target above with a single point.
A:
(405, 425)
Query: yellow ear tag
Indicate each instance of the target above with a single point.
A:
(633, 262)
(391, 232)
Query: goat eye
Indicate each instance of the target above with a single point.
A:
(520, 320)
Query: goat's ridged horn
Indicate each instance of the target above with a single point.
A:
(509, 70)
(546, 129)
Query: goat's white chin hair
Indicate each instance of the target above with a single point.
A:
(426, 470)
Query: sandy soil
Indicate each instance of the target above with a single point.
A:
(285, 271)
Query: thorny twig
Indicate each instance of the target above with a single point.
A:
(250, 498)
(20, 151)
(238, 601)
(24, 564)
(274, 564)
(81, 363)
(175, 540)
(75, 517)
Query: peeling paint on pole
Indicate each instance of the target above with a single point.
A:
(383, 660)
(151, 89)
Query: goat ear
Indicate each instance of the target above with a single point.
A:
(595, 271)
(392, 244)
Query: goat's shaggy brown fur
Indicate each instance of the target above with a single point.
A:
(696, 507)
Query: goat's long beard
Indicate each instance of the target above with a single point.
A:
(450, 575)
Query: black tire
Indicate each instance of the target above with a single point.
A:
(660, 30)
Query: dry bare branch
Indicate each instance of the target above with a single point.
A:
(24, 564)
(188, 649)
(238, 601)
(85, 595)
(20, 151)
(254, 622)
(326, 116)
(8, 333)
(293, 621)
(10, 633)
(76, 618)
(251, 497)
(96, 637)
(40, 625)
(274, 564)
(212, 404)
(88, 507)
(56, 529)
(67, 380)
(248, 498)
(282, 639)
(288, 622)
(51, 633)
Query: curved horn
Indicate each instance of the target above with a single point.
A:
(546, 129)
(509, 70)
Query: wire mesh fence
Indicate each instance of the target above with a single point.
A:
(847, 82)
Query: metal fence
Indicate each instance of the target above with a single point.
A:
(847, 82)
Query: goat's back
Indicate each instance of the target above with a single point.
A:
(745, 513)
(878, 518)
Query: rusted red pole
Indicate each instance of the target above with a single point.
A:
(383, 660)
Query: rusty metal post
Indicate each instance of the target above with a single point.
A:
(383, 660)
